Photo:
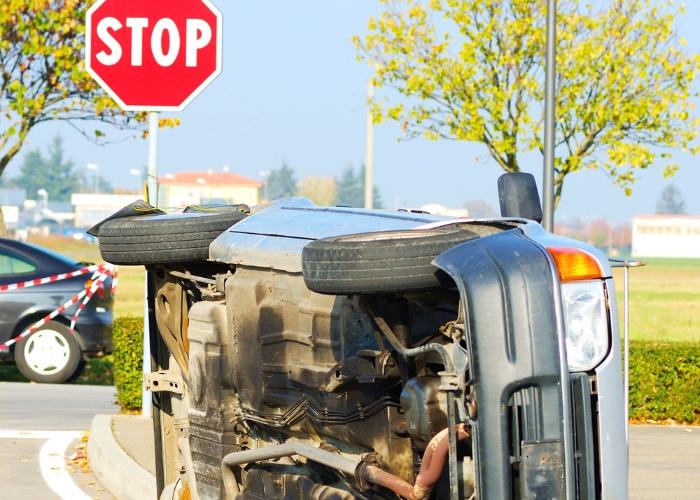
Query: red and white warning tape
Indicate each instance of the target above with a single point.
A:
(100, 274)
(115, 278)
(54, 278)
(97, 284)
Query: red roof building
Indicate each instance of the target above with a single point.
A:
(197, 188)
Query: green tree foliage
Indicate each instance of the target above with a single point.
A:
(53, 173)
(671, 201)
(351, 189)
(91, 182)
(472, 70)
(281, 183)
(43, 77)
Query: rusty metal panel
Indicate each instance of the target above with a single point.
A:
(542, 473)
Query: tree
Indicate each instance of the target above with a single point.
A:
(670, 201)
(43, 77)
(95, 183)
(472, 70)
(54, 173)
(351, 189)
(320, 190)
(281, 183)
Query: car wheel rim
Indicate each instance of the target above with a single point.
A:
(46, 352)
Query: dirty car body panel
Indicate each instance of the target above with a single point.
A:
(271, 365)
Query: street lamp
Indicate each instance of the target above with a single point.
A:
(138, 173)
(549, 117)
(44, 195)
(264, 174)
(94, 168)
(369, 149)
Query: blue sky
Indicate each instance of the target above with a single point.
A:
(291, 90)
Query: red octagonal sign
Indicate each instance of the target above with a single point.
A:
(153, 55)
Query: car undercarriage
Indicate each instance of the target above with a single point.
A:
(336, 353)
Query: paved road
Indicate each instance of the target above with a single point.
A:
(664, 462)
(40, 425)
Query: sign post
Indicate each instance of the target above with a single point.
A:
(550, 102)
(153, 56)
(152, 183)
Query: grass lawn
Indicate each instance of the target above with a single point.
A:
(664, 299)
(129, 298)
(97, 371)
(664, 295)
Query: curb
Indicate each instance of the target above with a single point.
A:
(117, 472)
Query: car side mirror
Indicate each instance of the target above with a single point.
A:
(518, 196)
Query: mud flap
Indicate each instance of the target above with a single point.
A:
(512, 320)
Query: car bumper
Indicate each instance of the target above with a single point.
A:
(528, 415)
(94, 332)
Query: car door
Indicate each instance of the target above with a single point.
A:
(14, 268)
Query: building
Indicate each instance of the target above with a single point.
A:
(666, 236)
(91, 208)
(197, 188)
(11, 200)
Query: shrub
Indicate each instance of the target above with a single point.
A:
(665, 381)
(664, 376)
(127, 335)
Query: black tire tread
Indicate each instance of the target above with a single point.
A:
(163, 239)
(343, 266)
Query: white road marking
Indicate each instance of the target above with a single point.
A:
(52, 460)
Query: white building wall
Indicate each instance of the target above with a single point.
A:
(180, 195)
(666, 236)
(91, 208)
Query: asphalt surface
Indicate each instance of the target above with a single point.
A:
(664, 462)
(41, 425)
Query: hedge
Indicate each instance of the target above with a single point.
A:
(665, 381)
(664, 376)
(127, 335)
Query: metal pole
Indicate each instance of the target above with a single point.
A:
(549, 117)
(153, 158)
(152, 195)
(626, 313)
(369, 150)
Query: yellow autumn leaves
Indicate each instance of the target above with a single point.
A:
(473, 70)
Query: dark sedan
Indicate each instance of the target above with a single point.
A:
(52, 354)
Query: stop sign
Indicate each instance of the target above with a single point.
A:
(153, 55)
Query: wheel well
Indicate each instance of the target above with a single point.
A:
(30, 319)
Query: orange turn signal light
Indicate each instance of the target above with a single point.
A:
(574, 264)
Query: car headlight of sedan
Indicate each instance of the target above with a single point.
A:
(585, 323)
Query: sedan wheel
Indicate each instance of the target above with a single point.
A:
(49, 355)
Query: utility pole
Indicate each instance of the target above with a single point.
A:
(369, 150)
(152, 196)
(549, 117)
(153, 158)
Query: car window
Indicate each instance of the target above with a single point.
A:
(60, 257)
(11, 264)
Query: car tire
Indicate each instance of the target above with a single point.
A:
(381, 262)
(51, 355)
(164, 239)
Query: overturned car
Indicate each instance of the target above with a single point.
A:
(329, 353)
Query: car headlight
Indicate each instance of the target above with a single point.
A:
(585, 324)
